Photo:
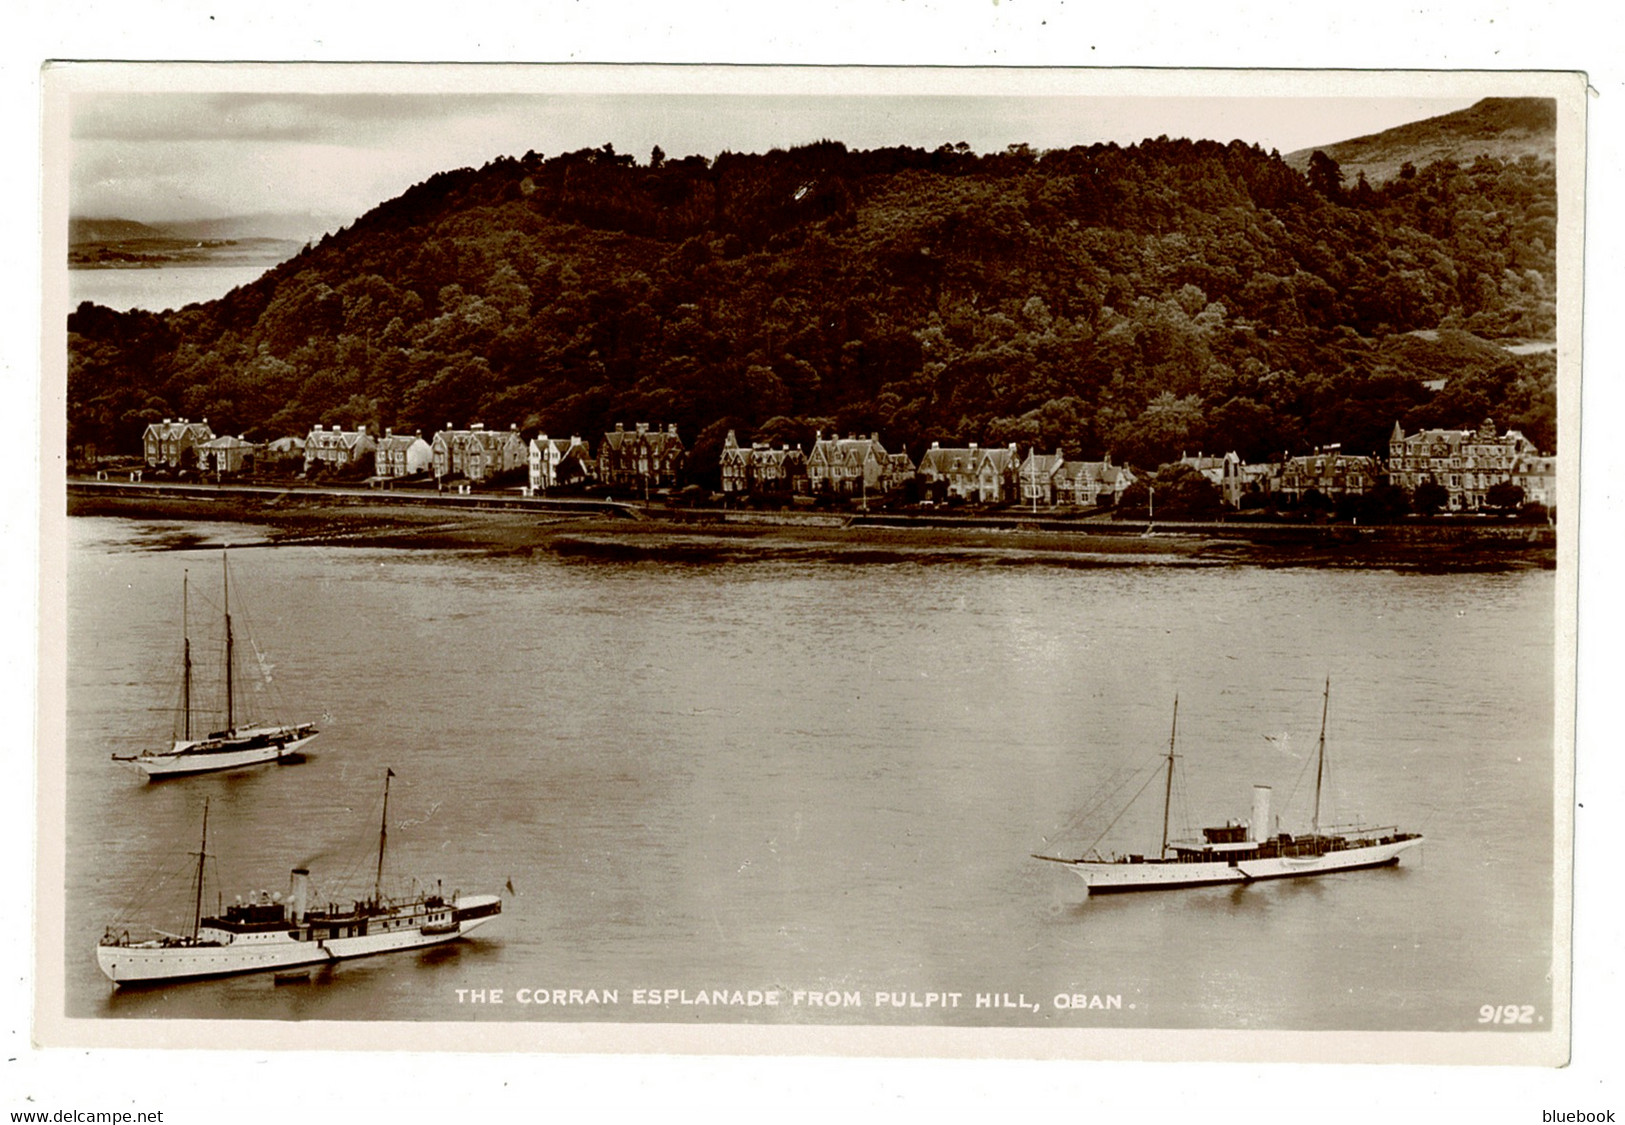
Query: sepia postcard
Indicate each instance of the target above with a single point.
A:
(988, 563)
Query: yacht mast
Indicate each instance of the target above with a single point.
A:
(383, 837)
(202, 855)
(1168, 793)
(1320, 763)
(186, 667)
(231, 722)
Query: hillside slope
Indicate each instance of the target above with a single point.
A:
(82, 231)
(1135, 301)
(1504, 129)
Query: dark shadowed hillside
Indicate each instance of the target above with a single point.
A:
(1139, 301)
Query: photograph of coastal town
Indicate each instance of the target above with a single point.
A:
(1055, 553)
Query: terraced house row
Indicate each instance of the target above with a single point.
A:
(1051, 479)
(1466, 464)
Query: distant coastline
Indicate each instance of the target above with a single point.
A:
(124, 265)
(507, 524)
(162, 253)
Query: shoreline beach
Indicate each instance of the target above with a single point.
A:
(498, 524)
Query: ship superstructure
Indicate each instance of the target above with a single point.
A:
(270, 932)
(1243, 851)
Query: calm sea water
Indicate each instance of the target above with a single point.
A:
(161, 288)
(826, 778)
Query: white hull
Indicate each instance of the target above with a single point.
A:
(1109, 878)
(153, 962)
(193, 757)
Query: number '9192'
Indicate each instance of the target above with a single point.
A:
(1507, 1013)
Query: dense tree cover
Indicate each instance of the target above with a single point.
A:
(1176, 491)
(1139, 302)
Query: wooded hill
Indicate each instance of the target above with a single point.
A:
(1172, 295)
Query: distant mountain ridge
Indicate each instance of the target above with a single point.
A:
(292, 226)
(83, 231)
(240, 240)
(285, 227)
(1503, 128)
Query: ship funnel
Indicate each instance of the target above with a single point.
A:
(298, 893)
(1259, 829)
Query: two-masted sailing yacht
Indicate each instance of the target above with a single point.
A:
(1243, 851)
(232, 746)
(274, 933)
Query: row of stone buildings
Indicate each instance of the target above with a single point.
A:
(638, 458)
(850, 466)
(862, 468)
(1467, 464)
(180, 443)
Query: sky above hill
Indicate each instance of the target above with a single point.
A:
(156, 143)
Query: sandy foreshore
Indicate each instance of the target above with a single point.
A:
(601, 536)
(683, 536)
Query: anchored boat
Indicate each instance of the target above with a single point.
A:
(1244, 851)
(233, 746)
(273, 933)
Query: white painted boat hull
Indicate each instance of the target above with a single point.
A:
(1111, 878)
(156, 962)
(184, 762)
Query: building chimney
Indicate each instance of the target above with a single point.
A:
(643, 427)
